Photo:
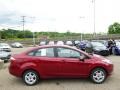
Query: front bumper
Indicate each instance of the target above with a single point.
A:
(110, 69)
(5, 58)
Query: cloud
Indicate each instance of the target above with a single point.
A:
(60, 15)
(10, 18)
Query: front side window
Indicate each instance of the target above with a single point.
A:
(49, 52)
(67, 53)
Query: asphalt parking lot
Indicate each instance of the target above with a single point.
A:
(8, 82)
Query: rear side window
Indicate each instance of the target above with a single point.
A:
(49, 52)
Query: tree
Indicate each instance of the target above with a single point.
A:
(114, 28)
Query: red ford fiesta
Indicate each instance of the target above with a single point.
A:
(54, 61)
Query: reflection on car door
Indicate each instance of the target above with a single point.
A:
(50, 66)
(71, 66)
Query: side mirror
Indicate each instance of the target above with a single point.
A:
(82, 57)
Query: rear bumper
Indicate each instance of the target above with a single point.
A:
(14, 70)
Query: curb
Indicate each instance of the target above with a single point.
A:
(1, 64)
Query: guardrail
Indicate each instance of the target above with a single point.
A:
(26, 42)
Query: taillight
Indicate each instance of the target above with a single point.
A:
(12, 58)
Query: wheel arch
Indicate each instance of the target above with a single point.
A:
(32, 69)
(98, 67)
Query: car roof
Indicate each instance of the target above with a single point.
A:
(56, 45)
(48, 46)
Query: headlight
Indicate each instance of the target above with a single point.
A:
(107, 61)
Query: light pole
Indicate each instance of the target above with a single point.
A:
(34, 42)
(81, 35)
(23, 24)
(34, 38)
(94, 17)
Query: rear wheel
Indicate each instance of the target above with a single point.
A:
(98, 75)
(30, 77)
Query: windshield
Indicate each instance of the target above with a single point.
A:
(97, 44)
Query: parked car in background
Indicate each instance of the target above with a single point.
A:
(105, 42)
(60, 42)
(5, 47)
(51, 42)
(82, 45)
(116, 48)
(43, 43)
(99, 48)
(16, 45)
(70, 43)
(59, 61)
(5, 56)
(76, 42)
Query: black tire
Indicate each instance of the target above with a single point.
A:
(98, 73)
(5, 61)
(30, 82)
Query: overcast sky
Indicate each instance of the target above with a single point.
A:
(59, 15)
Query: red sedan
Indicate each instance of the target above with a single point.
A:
(55, 61)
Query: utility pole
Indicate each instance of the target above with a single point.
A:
(23, 24)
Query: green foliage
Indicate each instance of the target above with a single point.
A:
(10, 33)
(18, 34)
(114, 28)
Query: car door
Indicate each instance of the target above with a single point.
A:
(70, 63)
(47, 63)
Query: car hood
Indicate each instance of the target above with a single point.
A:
(98, 56)
(101, 59)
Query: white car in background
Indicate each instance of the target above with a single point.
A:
(60, 43)
(5, 56)
(77, 42)
(70, 43)
(42, 43)
(51, 43)
(17, 45)
(5, 47)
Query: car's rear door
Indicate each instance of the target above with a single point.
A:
(47, 63)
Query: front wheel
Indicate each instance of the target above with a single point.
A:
(30, 77)
(98, 75)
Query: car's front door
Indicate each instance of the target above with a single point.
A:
(70, 62)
